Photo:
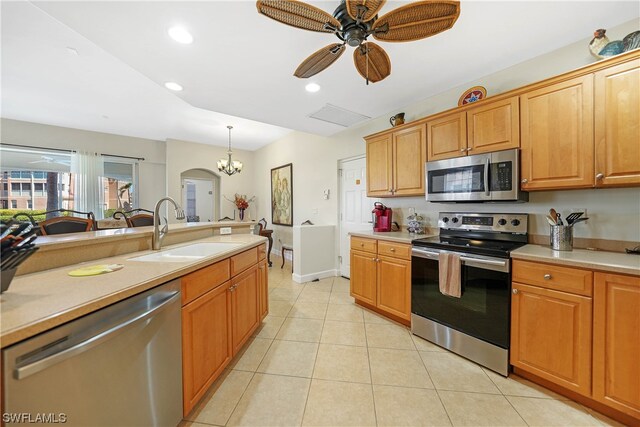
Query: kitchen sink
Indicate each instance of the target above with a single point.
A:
(189, 253)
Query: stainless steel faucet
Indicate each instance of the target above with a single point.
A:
(158, 234)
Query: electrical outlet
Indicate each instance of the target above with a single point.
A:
(225, 230)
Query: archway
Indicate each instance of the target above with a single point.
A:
(200, 195)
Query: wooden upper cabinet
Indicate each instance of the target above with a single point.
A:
(379, 166)
(556, 125)
(493, 126)
(616, 342)
(409, 157)
(617, 125)
(447, 136)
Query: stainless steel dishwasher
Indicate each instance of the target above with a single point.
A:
(119, 366)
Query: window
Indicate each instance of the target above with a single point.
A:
(14, 204)
(30, 204)
(15, 188)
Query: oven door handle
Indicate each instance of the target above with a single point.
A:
(484, 261)
(421, 253)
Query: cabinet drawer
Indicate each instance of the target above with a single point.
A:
(362, 244)
(202, 281)
(262, 251)
(397, 250)
(243, 260)
(549, 276)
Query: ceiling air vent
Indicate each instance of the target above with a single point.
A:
(338, 116)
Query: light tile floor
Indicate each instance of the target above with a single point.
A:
(320, 360)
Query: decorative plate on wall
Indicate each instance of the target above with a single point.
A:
(474, 94)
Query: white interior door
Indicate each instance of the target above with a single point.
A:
(355, 206)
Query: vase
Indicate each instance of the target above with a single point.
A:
(241, 213)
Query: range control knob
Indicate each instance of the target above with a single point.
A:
(502, 221)
(445, 220)
(515, 222)
(455, 220)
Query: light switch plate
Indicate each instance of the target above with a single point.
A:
(225, 230)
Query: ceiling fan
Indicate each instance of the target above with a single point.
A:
(354, 21)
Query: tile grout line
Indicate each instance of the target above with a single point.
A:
(315, 361)
(373, 394)
(432, 382)
(504, 396)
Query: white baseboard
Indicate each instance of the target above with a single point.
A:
(317, 275)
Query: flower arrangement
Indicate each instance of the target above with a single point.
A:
(241, 201)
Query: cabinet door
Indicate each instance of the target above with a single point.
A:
(551, 336)
(617, 125)
(363, 276)
(409, 156)
(379, 166)
(263, 276)
(616, 342)
(206, 342)
(447, 137)
(394, 286)
(244, 306)
(557, 136)
(493, 126)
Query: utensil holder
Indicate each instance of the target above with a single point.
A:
(561, 237)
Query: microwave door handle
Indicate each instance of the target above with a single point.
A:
(486, 176)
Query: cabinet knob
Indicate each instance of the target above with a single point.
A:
(361, 244)
(392, 249)
(524, 180)
(470, 148)
(547, 276)
(515, 291)
(373, 259)
(463, 150)
(599, 176)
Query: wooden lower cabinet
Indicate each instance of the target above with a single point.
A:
(381, 276)
(363, 276)
(263, 278)
(616, 342)
(206, 342)
(244, 307)
(551, 336)
(218, 319)
(394, 286)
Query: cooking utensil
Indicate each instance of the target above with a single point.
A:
(578, 220)
(550, 220)
(559, 219)
(573, 216)
(554, 215)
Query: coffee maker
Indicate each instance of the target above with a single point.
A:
(381, 217)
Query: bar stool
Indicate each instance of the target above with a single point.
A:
(283, 248)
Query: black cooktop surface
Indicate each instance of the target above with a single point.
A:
(495, 248)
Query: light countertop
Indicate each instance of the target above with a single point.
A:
(391, 236)
(594, 260)
(40, 301)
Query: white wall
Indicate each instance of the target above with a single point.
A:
(614, 212)
(184, 155)
(151, 170)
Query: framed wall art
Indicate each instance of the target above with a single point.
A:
(282, 195)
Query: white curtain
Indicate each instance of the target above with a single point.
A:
(88, 170)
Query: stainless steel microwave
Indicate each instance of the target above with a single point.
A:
(489, 177)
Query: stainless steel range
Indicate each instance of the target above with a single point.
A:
(476, 324)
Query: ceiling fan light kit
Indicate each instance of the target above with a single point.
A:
(354, 21)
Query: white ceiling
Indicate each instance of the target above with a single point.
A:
(241, 64)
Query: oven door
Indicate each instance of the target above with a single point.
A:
(461, 179)
(483, 309)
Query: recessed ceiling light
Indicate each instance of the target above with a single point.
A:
(312, 87)
(173, 86)
(180, 35)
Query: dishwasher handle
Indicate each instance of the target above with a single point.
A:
(32, 368)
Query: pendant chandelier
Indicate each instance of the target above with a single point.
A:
(227, 165)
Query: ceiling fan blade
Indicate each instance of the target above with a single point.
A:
(319, 60)
(368, 12)
(372, 62)
(298, 14)
(416, 21)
